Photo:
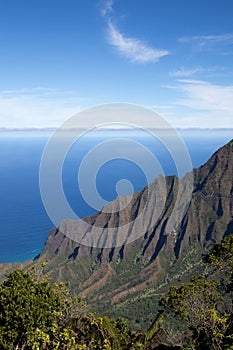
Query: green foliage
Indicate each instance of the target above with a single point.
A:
(34, 313)
(154, 328)
(37, 315)
(221, 254)
(104, 333)
(204, 303)
(220, 258)
(195, 302)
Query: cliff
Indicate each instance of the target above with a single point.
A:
(129, 276)
(127, 279)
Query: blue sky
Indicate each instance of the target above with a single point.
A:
(61, 56)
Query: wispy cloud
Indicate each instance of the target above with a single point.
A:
(203, 39)
(38, 107)
(202, 104)
(203, 95)
(107, 7)
(133, 49)
(208, 42)
(184, 72)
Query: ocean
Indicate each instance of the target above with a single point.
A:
(24, 222)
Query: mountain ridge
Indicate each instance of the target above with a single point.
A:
(127, 280)
(117, 276)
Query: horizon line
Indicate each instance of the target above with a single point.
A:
(2, 129)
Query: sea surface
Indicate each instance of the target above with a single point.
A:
(111, 164)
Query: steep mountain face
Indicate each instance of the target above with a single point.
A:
(128, 279)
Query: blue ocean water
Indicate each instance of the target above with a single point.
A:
(24, 223)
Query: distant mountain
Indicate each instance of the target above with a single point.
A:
(127, 280)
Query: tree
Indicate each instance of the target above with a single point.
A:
(204, 303)
(220, 258)
(37, 315)
(33, 313)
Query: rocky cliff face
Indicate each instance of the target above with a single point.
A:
(130, 275)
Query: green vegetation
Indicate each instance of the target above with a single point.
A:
(205, 303)
(140, 308)
(38, 315)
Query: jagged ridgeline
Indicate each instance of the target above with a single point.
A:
(128, 280)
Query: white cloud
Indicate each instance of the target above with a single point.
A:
(202, 104)
(39, 107)
(205, 96)
(133, 49)
(221, 38)
(211, 71)
(182, 72)
(209, 42)
(107, 7)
